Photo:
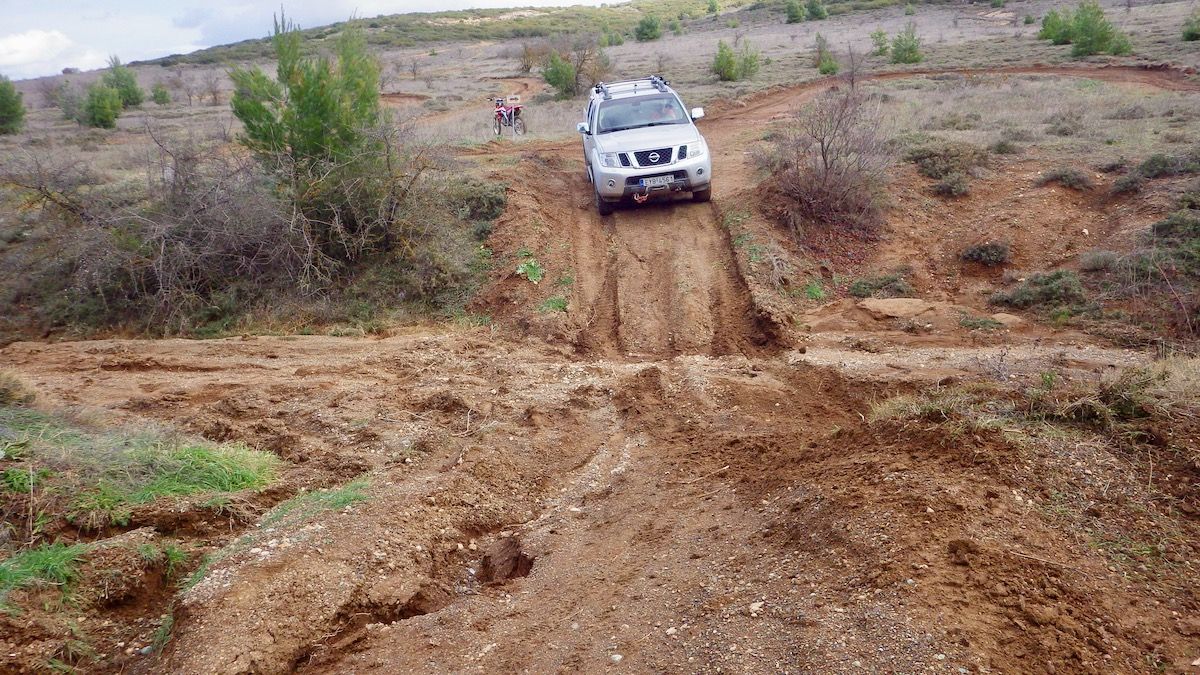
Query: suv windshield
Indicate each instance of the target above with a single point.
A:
(639, 111)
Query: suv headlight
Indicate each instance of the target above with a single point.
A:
(696, 149)
(610, 159)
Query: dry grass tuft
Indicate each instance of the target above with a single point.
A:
(14, 391)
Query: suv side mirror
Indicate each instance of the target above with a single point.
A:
(697, 113)
(582, 128)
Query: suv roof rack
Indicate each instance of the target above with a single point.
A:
(606, 88)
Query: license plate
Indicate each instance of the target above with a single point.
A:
(656, 181)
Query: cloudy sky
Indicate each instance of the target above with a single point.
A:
(41, 37)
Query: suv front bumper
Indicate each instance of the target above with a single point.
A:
(616, 182)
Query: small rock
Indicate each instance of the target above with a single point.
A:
(672, 631)
(756, 607)
(940, 657)
(616, 658)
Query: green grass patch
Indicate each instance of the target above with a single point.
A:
(308, 504)
(555, 303)
(97, 476)
(56, 564)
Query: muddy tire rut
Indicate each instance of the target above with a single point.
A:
(656, 280)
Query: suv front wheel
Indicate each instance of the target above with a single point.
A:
(702, 195)
(605, 208)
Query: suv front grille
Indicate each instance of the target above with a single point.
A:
(653, 157)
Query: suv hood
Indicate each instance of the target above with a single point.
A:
(647, 138)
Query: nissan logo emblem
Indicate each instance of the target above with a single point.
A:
(654, 156)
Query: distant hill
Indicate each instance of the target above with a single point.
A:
(409, 30)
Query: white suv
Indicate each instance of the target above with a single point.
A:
(638, 139)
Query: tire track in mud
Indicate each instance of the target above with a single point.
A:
(657, 280)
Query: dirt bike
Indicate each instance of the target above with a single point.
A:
(508, 116)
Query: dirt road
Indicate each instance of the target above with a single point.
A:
(665, 479)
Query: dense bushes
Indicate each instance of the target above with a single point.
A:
(101, 108)
(795, 12)
(1086, 29)
(12, 107)
(122, 80)
(1191, 26)
(729, 66)
(649, 28)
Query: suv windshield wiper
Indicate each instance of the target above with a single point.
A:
(636, 126)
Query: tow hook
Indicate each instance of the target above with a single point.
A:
(641, 199)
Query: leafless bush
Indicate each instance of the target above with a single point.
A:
(212, 86)
(47, 88)
(833, 160)
(530, 55)
(183, 83)
(212, 232)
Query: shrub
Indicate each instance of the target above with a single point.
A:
(1065, 123)
(101, 108)
(879, 38)
(70, 102)
(675, 27)
(1055, 289)
(988, 253)
(713, 8)
(938, 159)
(725, 62)
(13, 391)
(1030, 20)
(909, 10)
(1191, 27)
(607, 39)
(828, 65)
(1067, 177)
(1129, 183)
(1092, 33)
(997, 4)
(1056, 27)
(892, 285)
(953, 184)
(832, 162)
(560, 74)
(649, 28)
(906, 46)
(159, 94)
(815, 9)
(1098, 261)
(122, 79)
(12, 107)
(1005, 147)
(747, 62)
(1159, 165)
(795, 12)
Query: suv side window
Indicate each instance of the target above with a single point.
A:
(591, 109)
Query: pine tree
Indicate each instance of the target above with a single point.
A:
(12, 107)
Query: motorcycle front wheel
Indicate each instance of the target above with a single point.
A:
(519, 126)
(496, 125)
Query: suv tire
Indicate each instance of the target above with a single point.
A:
(605, 208)
(702, 195)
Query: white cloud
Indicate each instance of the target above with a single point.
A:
(32, 46)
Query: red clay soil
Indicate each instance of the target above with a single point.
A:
(666, 477)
